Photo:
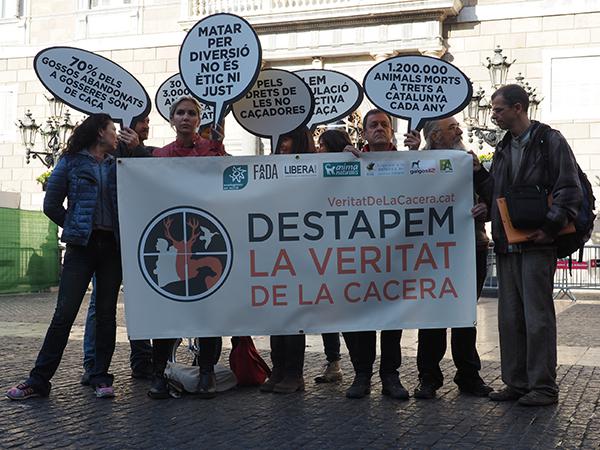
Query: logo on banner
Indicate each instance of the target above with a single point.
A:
(341, 169)
(422, 166)
(235, 178)
(446, 166)
(185, 254)
(300, 170)
(386, 168)
(265, 172)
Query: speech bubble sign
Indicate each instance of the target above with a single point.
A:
(336, 94)
(417, 88)
(279, 102)
(92, 84)
(173, 88)
(219, 60)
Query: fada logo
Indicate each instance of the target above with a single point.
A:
(235, 178)
(341, 169)
(446, 166)
(185, 254)
(265, 172)
(422, 166)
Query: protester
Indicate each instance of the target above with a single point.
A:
(131, 144)
(184, 115)
(445, 134)
(378, 131)
(526, 317)
(332, 141)
(287, 351)
(295, 142)
(86, 176)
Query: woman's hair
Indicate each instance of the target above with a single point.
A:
(86, 133)
(302, 141)
(335, 140)
(187, 98)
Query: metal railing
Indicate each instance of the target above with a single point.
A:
(584, 275)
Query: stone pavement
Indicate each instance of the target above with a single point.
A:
(319, 418)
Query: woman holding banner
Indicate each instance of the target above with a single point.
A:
(184, 115)
(287, 351)
(86, 176)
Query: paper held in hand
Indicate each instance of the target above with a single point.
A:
(517, 236)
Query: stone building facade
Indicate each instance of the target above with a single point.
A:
(556, 45)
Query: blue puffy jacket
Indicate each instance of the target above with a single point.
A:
(74, 178)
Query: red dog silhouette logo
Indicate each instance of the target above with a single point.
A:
(185, 254)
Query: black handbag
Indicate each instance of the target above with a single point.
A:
(527, 205)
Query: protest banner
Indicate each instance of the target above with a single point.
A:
(336, 95)
(278, 103)
(305, 243)
(173, 88)
(417, 88)
(219, 60)
(92, 84)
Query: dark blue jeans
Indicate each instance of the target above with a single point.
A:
(140, 358)
(100, 256)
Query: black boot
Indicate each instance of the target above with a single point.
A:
(360, 387)
(159, 389)
(207, 384)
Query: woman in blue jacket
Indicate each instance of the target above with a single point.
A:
(86, 177)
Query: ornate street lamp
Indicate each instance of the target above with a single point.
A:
(477, 112)
(55, 133)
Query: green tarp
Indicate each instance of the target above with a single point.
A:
(29, 252)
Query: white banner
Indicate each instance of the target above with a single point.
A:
(297, 243)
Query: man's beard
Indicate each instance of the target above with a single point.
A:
(460, 145)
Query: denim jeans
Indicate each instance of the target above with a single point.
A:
(140, 358)
(100, 256)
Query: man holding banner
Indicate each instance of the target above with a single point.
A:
(379, 132)
(445, 134)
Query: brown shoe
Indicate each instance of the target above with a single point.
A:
(536, 398)
(289, 384)
(331, 374)
(269, 385)
(505, 395)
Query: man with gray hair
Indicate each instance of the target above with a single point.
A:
(445, 134)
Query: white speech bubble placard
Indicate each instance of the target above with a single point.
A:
(173, 88)
(336, 94)
(279, 102)
(417, 88)
(219, 60)
(92, 84)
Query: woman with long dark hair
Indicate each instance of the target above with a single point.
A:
(86, 177)
(287, 351)
(184, 115)
(333, 141)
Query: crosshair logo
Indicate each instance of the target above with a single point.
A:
(185, 254)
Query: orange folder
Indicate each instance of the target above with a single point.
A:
(516, 236)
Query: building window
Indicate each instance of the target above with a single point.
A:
(8, 113)
(94, 4)
(9, 9)
(573, 84)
